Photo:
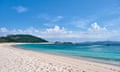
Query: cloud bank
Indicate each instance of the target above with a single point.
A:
(94, 32)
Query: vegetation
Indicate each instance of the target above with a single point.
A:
(22, 38)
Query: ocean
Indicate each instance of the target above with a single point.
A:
(102, 53)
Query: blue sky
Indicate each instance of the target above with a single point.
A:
(64, 20)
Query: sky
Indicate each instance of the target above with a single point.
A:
(62, 20)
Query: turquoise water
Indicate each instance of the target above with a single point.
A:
(101, 52)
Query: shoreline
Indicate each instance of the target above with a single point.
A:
(75, 57)
(52, 62)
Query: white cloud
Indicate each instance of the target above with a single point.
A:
(56, 29)
(55, 32)
(96, 28)
(20, 9)
(3, 29)
(60, 33)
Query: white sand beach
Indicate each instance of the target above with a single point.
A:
(18, 60)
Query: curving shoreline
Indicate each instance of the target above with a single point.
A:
(13, 59)
(88, 58)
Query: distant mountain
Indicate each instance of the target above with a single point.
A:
(22, 38)
(107, 43)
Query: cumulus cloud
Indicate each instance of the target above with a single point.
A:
(20, 9)
(55, 32)
(95, 27)
(55, 29)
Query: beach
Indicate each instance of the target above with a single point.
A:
(14, 59)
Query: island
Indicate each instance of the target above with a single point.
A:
(23, 38)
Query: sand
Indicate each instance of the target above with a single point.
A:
(18, 60)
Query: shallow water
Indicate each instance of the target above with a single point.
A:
(100, 52)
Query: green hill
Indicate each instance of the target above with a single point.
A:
(22, 38)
